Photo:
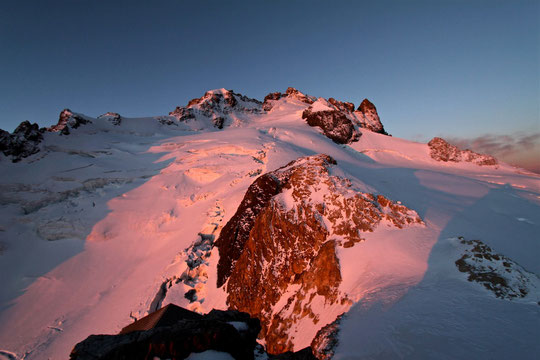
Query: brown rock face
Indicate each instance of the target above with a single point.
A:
(334, 123)
(369, 118)
(343, 106)
(236, 232)
(279, 253)
(440, 150)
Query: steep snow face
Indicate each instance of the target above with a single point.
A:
(112, 221)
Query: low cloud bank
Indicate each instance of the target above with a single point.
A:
(519, 149)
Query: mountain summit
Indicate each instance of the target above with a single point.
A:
(297, 210)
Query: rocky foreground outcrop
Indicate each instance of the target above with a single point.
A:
(441, 150)
(278, 256)
(174, 333)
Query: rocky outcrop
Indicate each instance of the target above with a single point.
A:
(278, 252)
(112, 117)
(497, 273)
(174, 333)
(183, 114)
(342, 106)
(339, 119)
(217, 105)
(334, 123)
(325, 342)
(230, 331)
(369, 118)
(441, 150)
(23, 142)
(69, 120)
(235, 233)
(290, 93)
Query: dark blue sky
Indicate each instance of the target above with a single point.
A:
(456, 68)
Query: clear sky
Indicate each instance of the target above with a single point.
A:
(461, 68)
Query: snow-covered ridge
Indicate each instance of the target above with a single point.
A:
(120, 216)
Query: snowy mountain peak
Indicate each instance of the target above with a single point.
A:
(290, 94)
(127, 215)
(220, 106)
(67, 120)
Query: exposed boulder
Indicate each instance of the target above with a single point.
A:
(67, 120)
(176, 338)
(334, 123)
(282, 242)
(369, 118)
(23, 142)
(173, 332)
(441, 150)
(304, 354)
(497, 273)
